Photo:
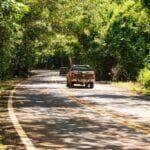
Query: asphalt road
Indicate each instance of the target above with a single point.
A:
(56, 117)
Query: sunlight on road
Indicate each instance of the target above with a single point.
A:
(55, 116)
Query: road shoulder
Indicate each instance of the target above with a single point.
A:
(9, 138)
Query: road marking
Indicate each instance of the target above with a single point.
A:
(123, 120)
(23, 136)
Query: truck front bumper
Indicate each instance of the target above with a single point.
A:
(82, 81)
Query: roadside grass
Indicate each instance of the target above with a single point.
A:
(9, 84)
(133, 87)
(6, 86)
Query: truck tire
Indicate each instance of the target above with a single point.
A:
(86, 85)
(71, 85)
(91, 85)
(67, 84)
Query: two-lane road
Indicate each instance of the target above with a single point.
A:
(55, 117)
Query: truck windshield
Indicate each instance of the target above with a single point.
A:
(82, 68)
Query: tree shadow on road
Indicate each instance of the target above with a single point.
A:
(61, 123)
(34, 99)
(80, 133)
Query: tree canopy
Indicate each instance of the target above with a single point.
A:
(113, 36)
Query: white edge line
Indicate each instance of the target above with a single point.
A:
(23, 136)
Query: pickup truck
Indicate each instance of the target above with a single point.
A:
(81, 74)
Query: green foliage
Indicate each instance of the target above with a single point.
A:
(10, 34)
(108, 35)
(127, 39)
(144, 77)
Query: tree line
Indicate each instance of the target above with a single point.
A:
(113, 36)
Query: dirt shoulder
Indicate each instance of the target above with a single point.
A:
(9, 138)
(1, 145)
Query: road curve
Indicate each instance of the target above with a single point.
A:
(55, 117)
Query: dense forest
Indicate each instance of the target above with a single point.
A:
(113, 36)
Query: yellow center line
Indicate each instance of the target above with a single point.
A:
(123, 120)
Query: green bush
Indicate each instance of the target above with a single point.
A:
(144, 77)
